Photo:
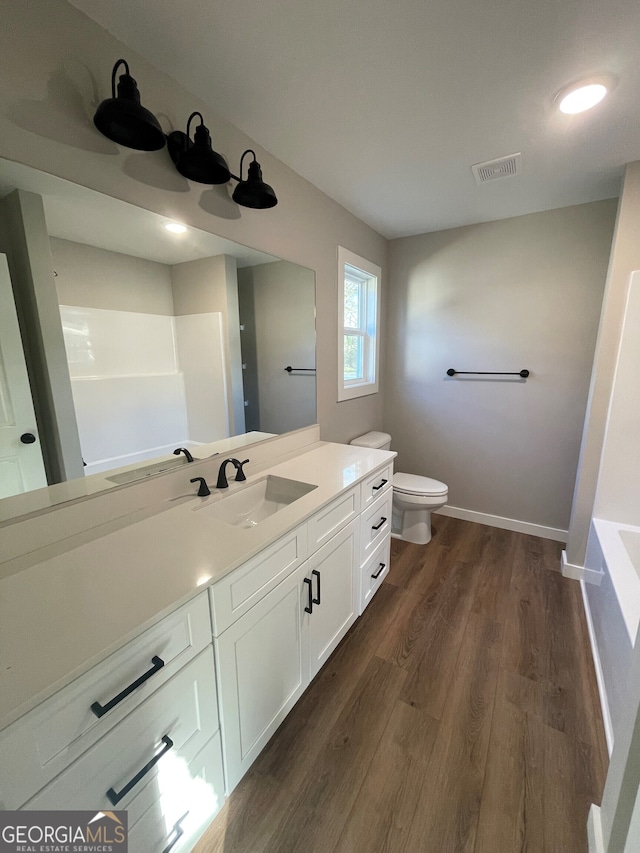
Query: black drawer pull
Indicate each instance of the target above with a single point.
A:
(317, 574)
(100, 710)
(177, 833)
(382, 483)
(309, 607)
(379, 524)
(114, 797)
(379, 572)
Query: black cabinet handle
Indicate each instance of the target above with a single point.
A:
(100, 710)
(379, 524)
(309, 607)
(177, 832)
(382, 483)
(379, 572)
(27, 438)
(317, 574)
(114, 797)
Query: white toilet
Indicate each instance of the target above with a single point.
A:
(414, 497)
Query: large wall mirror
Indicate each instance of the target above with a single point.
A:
(171, 339)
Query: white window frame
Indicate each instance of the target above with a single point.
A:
(370, 330)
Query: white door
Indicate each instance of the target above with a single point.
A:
(263, 668)
(333, 571)
(21, 466)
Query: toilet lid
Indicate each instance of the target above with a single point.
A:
(412, 484)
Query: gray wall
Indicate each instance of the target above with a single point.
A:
(281, 314)
(96, 278)
(55, 66)
(506, 295)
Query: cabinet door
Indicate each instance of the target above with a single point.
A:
(334, 581)
(263, 668)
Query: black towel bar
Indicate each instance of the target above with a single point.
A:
(522, 373)
(301, 369)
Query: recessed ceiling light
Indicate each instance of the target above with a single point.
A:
(175, 227)
(582, 96)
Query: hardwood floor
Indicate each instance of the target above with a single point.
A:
(459, 715)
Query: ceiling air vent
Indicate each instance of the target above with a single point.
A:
(503, 167)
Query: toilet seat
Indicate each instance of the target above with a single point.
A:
(413, 484)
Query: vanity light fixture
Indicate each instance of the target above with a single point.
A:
(195, 159)
(253, 192)
(582, 96)
(124, 120)
(175, 227)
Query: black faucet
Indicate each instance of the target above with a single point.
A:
(222, 473)
(203, 490)
(184, 450)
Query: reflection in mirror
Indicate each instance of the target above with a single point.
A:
(171, 340)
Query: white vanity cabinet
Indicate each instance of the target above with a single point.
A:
(168, 724)
(266, 659)
(375, 535)
(268, 656)
(283, 631)
(139, 731)
(263, 668)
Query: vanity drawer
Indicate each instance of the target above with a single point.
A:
(376, 524)
(241, 589)
(332, 518)
(374, 572)
(175, 822)
(175, 723)
(44, 742)
(375, 485)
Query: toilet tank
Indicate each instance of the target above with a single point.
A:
(377, 440)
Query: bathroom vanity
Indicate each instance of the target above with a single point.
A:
(152, 641)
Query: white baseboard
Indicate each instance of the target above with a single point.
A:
(602, 691)
(505, 523)
(594, 830)
(580, 573)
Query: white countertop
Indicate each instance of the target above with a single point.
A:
(70, 604)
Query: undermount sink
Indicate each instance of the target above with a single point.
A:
(253, 503)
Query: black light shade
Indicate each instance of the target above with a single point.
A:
(197, 160)
(254, 192)
(124, 120)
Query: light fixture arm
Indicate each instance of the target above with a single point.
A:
(248, 151)
(114, 74)
(192, 116)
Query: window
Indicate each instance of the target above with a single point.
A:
(358, 306)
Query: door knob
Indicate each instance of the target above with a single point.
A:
(27, 438)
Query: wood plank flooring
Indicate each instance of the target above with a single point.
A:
(459, 715)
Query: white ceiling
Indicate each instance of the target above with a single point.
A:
(386, 105)
(81, 215)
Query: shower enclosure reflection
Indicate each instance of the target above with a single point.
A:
(162, 356)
